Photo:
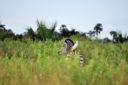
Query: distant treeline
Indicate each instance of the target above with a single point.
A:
(44, 32)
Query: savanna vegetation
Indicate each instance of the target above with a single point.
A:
(32, 58)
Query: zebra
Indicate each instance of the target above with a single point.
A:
(69, 47)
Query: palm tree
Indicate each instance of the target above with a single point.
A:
(98, 28)
(43, 32)
(114, 35)
(51, 30)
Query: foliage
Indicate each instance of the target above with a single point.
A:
(114, 35)
(118, 37)
(30, 33)
(44, 32)
(65, 32)
(5, 33)
(98, 28)
(37, 63)
(91, 34)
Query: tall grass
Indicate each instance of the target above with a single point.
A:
(38, 63)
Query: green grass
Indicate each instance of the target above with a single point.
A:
(38, 63)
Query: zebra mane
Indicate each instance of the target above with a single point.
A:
(69, 40)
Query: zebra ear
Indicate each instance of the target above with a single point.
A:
(75, 45)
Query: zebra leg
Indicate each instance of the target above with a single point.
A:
(81, 61)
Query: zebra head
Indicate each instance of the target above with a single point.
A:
(68, 47)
